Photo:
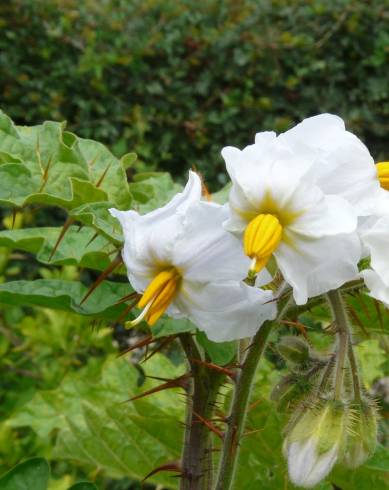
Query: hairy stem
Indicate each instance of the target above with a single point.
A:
(238, 413)
(196, 457)
(354, 372)
(341, 320)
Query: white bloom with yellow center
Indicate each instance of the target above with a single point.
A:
(184, 263)
(278, 210)
(342, 165)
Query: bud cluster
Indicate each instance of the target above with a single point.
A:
(322, 431)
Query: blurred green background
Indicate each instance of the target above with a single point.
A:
(175, 81)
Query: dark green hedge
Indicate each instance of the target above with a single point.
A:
(176, 80)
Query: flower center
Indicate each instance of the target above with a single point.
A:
(383, 174)
(158, 296)
(261, 238)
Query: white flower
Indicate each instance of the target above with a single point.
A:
(315, 443)
(183, 262)
(376, 239)
(306, 467)
(279, 211)
(342, 165)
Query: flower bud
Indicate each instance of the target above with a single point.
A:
(315, 441)
(362, 439)
(290, 390)
(294, 349)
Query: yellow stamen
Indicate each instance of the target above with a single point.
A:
(261, 238)
(158, 296)
(383, 174)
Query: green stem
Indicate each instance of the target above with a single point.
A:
(341, 320)
(238, 413)
(354, 373)
(196, 469)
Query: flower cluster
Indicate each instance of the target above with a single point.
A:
(305, 206)
(309, 201)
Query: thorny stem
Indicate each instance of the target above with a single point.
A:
(237, 417)
(196, 457)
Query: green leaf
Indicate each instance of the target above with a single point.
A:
(76, 247)
(97, 216)
(171, 326)
(221, 197)
(45, 164)
(152, 190)
(99, 428)
(32, 474)
(67, 295)
(219, 352)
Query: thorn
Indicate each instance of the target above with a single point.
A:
(93, 238)
(180, 382)
(80, 227)
(357, 320)
(102, 276)
(99, 182)
(172, 466)
(128, 297)
(45, 174)
(138, 345)
(127, 311)
(250, 432)
(13, 217)
(210, 426)
(164, 343)
(298, 325)
(254, 405)
(215, 367)
(65, 228)
(379, 314)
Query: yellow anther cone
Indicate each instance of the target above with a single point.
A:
(158, 296)
(261, 238)
(383, 174)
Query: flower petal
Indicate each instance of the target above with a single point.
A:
(376, 239)
(205, 251)
(343, 165)
(313, 266)
(330, 216)
(149, 239)
(226, 311)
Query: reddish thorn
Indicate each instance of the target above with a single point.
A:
(128, 297)
(127, 310)
(180, 382)
(173, 466)
(209, 425)
(102, 276)
(215, 367)
(65, 228)
(138, 345)
(298, 325)
(93, 238)
(45, 174)
(163, 344)
(254, 405)
(99, 182)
